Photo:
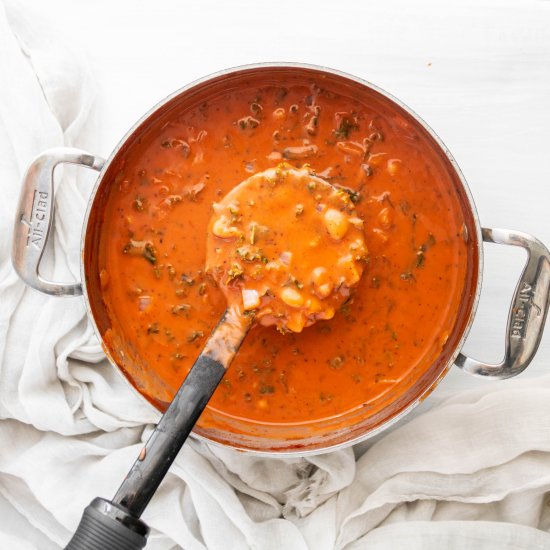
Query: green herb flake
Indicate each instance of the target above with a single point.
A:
(336, 362)
(348, 193)
(405, 207)
(407, 276)
(292, 281)
(139, 203)
(188, 280)
(153, 328)
(195, 335)
(355, 196)
(392, 332)
(149, 253)
(345, 309)
(345, 127)
(141, 248)
(256, 108)
(180, 309)
(234, 272)
(266, 389)
(325, 397)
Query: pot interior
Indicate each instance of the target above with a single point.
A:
(387, 348)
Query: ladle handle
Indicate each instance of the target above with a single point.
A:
(171, 432)
(105, 526)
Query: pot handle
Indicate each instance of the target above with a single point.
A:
(527, 312)
(33, 220)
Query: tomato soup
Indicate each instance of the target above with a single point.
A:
(161, 305)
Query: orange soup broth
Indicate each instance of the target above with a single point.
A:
(162, 306)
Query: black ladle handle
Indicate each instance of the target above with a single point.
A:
(115, 525)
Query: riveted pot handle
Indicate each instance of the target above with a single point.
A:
(34, 216)
(527, 312)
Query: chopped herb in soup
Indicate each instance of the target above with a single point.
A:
(409, 266)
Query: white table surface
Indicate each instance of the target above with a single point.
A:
(477, 72)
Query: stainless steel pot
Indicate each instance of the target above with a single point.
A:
(525, 321)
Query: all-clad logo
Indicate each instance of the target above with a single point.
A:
(38, 223)
(521, 310)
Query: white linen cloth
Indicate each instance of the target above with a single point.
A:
(471, 473)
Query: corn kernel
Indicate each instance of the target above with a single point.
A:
(291, 297)
(296, 323)
(313, 305)
(327, 313)
(336, 223)
(351, 273)
(321, 282)
(319, 275)
(324, 290)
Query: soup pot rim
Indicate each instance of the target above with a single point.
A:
(526, 319)
(321, 69)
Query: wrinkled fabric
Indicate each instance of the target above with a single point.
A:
(473, 472)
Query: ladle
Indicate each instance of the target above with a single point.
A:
(267, 277)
